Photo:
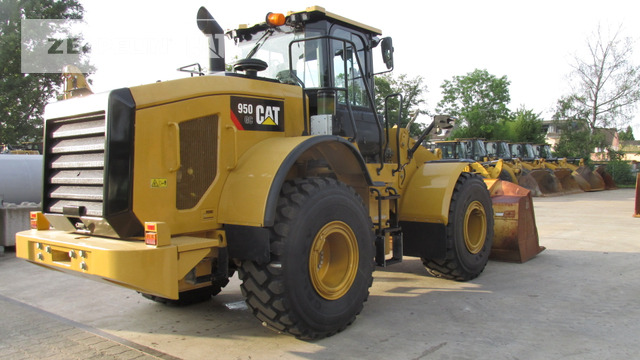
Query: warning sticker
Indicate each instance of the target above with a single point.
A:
(158, 183)
(257, 114)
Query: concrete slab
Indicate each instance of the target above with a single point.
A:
(576, 300)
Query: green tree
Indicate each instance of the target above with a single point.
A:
(24, 96)
(413, 92)
(626, 134)
(576, 140)
(527, 127)
(479, 100)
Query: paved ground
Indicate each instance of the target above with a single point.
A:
(579, 299)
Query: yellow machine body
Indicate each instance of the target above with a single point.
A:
(249, 168)
(164, 188)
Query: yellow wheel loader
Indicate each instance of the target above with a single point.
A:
(281, 171)
(533, 174)
(480, 161)
(585, 178)
(570, 181)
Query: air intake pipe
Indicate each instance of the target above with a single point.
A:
(212, 30)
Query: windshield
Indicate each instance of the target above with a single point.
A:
(545, 151)
(479, 150)
(274, 50)
(451, 150)
(503, 151)
(529, 151)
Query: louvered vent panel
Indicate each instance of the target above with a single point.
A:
(76, 173)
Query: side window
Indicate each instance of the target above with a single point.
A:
(346, 70)
(309, 63)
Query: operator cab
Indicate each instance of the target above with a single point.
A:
(498, 150)
(452, 149)
(330, 58)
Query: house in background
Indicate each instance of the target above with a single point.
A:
(631, 149)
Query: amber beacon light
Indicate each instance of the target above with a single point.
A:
(275, 19)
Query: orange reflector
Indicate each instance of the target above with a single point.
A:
(151, 238)
(37, 221)
(275, 19)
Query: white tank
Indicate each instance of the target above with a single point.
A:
(20, 178)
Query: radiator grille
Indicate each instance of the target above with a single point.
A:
(198, 146)
(75, 176)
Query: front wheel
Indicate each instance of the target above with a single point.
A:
(469, 232)
(321, 261)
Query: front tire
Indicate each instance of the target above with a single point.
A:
(469, 232)
(321, 261)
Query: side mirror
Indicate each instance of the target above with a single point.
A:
(387, 52)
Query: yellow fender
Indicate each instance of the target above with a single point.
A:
(480, 169)
(428, 195)
(252, 189)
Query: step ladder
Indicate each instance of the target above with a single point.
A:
(390, 227)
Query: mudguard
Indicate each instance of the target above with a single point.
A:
(251, 192)
(428, 195)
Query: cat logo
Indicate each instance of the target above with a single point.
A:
(267, 115)
(257, 114)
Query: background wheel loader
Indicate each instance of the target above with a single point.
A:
(584, 177)
(498, 163)
(281, 171)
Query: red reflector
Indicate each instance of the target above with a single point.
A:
(151, 227)
(151, 238)
(33, 215)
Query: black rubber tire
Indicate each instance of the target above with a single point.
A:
(282, 293)
(461, 264)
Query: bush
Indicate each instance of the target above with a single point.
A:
(621, 172)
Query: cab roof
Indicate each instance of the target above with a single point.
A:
(316, 13)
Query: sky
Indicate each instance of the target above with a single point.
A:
(533, 43)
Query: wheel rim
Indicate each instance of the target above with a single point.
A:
(333, 261)
(475, 227)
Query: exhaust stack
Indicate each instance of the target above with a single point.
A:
(214, 33)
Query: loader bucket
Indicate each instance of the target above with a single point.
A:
(515, 236)
(528, 182)
(541, 182)
(567, 182)
(609, 183)
(581, 181)
(595, 180)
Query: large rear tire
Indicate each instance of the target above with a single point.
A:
(321, 261)
(469, 232)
